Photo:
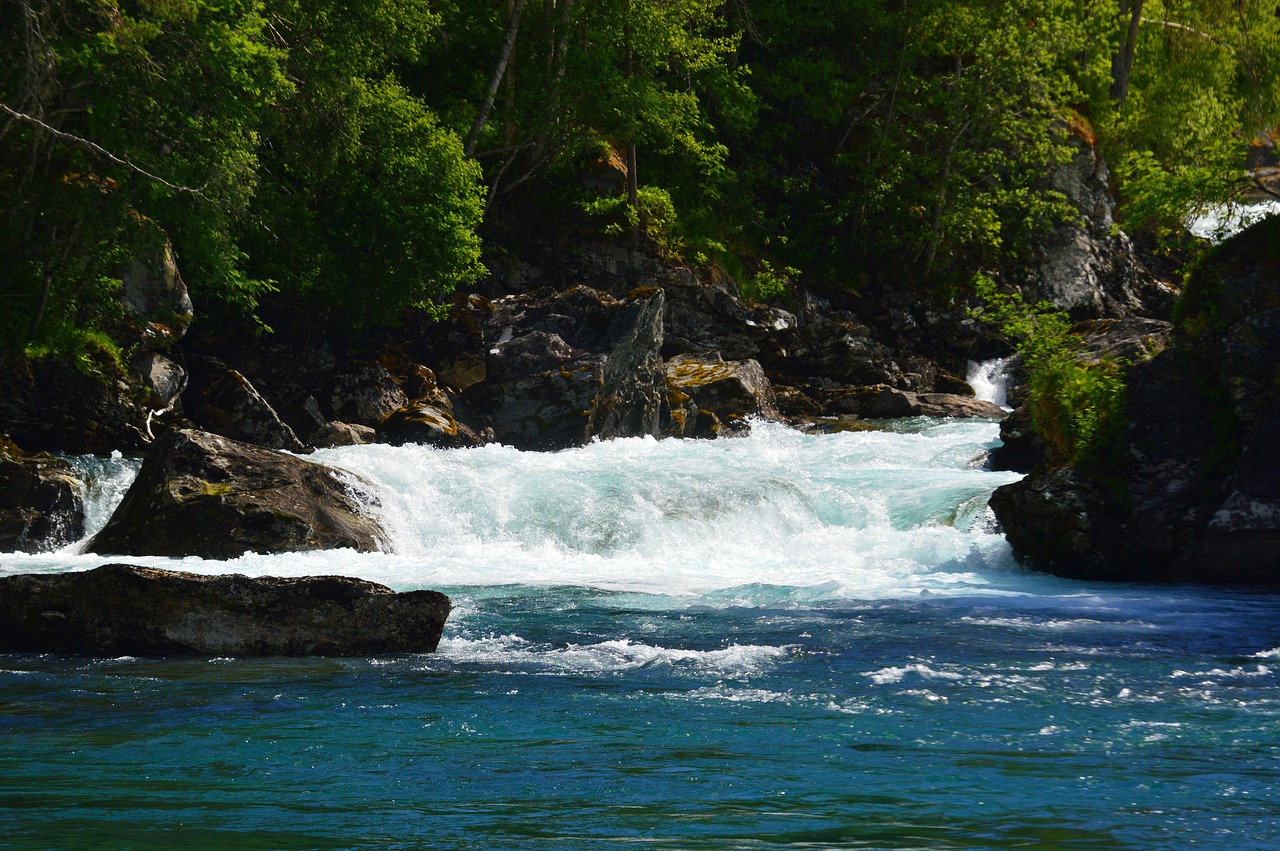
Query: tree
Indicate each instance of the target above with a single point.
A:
(123, 124)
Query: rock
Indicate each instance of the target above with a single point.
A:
(429, 424)
(232, 407)
(566, 368)
(155, 296)
(832, 345)
(121, 609)
(1193, 492)
(723, 393)
(48, 404)
(1021, 450)
(41, 501)
(364, 392)
(161, 379)
(342, 434)
(200, 494)
(1087, 267)
(880, 401)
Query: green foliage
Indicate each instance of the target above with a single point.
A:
(1077, 404)
(1204, 84)
(769, 284)
(123, 115)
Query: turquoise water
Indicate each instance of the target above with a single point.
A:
(782, 641)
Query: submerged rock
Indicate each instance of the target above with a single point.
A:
(41, 501)
(200, 494)
(121, 609)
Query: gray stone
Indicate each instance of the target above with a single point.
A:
(232, 407)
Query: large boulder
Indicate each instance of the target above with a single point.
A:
(563, 369)
(1193, 492)
(200, 494)
(121, 609)
(41, 501)
(154, 295)
(710, 396)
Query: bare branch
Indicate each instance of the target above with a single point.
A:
(1183, 28)
(95, 148)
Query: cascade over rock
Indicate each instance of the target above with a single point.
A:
(122, 609)
(1195, 492)
(200, 494)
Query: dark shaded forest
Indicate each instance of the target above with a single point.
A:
(358, 159)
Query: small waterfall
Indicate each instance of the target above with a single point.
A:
(990, 380)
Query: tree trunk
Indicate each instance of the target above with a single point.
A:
(1122, 62)
(495, 80)
(633, 178)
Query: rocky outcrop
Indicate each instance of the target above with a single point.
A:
(563, 369)
(1194, 491)
(121, 609)
(710, 396)
(200, 494)
(1087, 267)
(232, 407)
(41, 501)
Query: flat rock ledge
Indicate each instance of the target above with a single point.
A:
(121, 609)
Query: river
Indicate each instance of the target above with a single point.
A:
(778, 641)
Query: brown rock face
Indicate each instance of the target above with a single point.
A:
(122, 609)
(199, 494)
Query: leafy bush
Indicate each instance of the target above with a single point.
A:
(1077, 404)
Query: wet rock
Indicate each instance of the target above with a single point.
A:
(1021, 450)
(41, 501)
(566, 368)
(121, 609)
(881, 401)
(232, 407)
(721, 395)
(201, 494)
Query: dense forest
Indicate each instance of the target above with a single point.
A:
(355, 157)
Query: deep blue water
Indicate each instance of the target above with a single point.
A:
(785, 641)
